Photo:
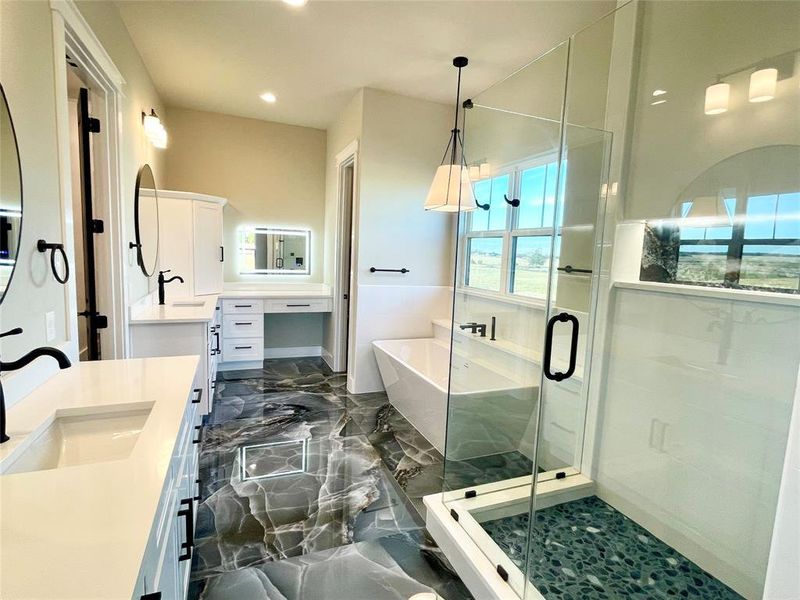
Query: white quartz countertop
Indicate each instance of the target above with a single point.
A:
(176, 310)
(80, 532)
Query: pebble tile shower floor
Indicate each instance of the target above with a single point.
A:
(586, 549)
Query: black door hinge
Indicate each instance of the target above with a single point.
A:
(93, 125)
(151, 596)
(98, 226)
(98, 320)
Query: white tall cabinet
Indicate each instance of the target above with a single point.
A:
(190, 241)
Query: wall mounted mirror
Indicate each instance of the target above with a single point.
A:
(10, 197)
(272, 251)
(145, 211)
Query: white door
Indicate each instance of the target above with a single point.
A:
(209, 253)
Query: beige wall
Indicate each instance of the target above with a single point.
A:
(271, 174)
(345, 129)
(27, 72)
(27, 75)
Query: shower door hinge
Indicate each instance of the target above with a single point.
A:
(93, 125)
(561, 475)
(470, 494)
(502, 572)
(98, 226)
(454, 514)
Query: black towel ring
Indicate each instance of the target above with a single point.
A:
(43, 246)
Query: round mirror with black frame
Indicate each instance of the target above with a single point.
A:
(145, 211)
(10, 197)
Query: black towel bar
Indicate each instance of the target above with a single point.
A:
(377, 270)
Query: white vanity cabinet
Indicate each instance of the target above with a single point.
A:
(166, 338)
(190, 240)
(167, 560)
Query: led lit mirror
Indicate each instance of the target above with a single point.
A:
(265, 250)
(10, 197)
(145, 210)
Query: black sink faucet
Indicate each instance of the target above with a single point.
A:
(63, 363)
(475, 328)
(162, 281)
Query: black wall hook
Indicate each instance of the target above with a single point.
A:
(43, 246)
(514, 202)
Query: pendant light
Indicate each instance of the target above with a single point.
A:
(451, 190)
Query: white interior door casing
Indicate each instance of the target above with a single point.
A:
(208, 248)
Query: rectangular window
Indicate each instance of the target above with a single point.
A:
(756, 246)
(507, 250)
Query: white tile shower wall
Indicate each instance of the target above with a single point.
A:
(783, 574)
(387, 312)
(693, 423)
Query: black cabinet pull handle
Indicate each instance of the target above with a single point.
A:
(188, 514)
(221, 254)
(548, 346)
(298, 305)
(199, 430)
(243, 306)
(243, 323)
(243, 347)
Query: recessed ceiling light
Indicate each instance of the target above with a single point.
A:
(296, 3)
(268, 97)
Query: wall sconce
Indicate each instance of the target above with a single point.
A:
(154, 129)
(717, 96)
(762, 85)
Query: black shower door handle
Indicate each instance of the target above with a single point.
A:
(548, 346)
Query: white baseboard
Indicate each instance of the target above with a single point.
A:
(295, 352)
(328, 358)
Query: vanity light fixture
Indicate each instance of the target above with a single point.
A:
(296, 3)
(269, 97)
(451, 190)
(151, 123)
(717, 97)
(762, 85)
(160, 139)
(659, 92)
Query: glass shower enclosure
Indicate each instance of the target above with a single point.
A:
(583, 393)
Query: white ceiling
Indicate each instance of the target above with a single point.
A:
(220, 55)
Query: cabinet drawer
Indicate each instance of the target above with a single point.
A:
(242, 306)
(244, 326)
(237, 349)
(297, 305)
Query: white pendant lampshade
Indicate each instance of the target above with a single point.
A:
(474, 173)
(762, 85)
(707, 207)
(451, 190)
(717, 96)
(485, 170)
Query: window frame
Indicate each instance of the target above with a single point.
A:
(735, 247)
(509, 234)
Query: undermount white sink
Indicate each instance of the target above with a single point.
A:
(188, 303)
(72, 440)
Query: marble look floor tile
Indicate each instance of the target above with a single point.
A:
(391, 568)
(297, 405)
(340, 495)
(587, 549)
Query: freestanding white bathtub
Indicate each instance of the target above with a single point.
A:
(489, 413)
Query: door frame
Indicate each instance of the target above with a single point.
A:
(343, 327)
(72, 36)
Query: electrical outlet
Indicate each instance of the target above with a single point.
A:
(50, 325)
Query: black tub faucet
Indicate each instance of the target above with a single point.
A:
(475, 328)
(162, 281)
(63, 363)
